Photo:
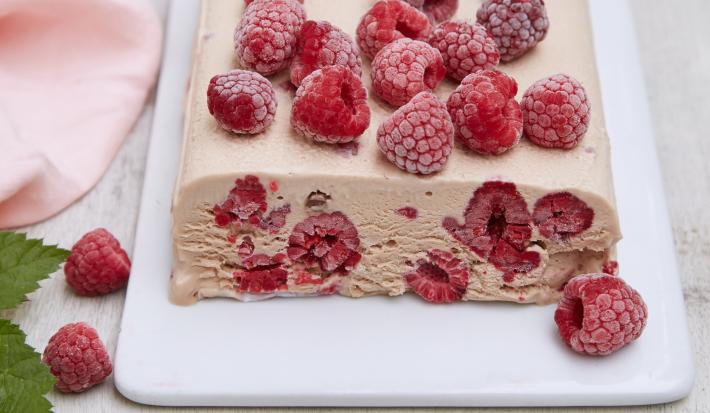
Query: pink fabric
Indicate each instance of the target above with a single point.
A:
(74, 75)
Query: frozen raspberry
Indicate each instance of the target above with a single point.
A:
(265, 39)
(246, 248)
(599, 314)
(276, 219)
(262, 274)
(562, 215)
(327, 241)
(465, 47)
(440, 10)
(516, 25)
(442, 278)
(245, 203)
(556, 112)
(331, 106)
(418, 137)
(97, 264)
(248, 2)
(404, 68)
(77, 358)
(611, 267)
(497, 228)
(408, 212)
(321, 44)
(387, 21)
(419, 4)
(242, 101)
(485, 114)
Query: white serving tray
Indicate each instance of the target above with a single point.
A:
(336, 351)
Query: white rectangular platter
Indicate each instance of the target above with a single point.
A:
(337, 351)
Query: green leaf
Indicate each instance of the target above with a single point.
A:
(24, 379)
(23, 263)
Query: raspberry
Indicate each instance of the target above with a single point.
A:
(419, 4)
(599, 314)
(97, 264)
(328, 241)
(265, 39)
(404, 68)
(562, 215)
(242, 101)
(418, 137)
(556, 112)
(387, 21)
(408, 212)
(516, 25)
(465, 47)
(485, 114)
(262, 274)
(331, 106)
(248, 2)
(77, 358)
(246, 248)
(244, 204)
(611, 267)
(497, 228)
(321, 44)
(440, 10)
(276, 219)
(442, 278)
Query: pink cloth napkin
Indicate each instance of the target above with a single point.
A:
(74, 75)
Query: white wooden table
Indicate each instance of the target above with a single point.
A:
(671, 37)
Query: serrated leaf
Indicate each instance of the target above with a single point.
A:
(23, 263)
(24, 379)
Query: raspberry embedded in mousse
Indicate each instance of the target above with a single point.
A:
(516, 25)
(246, 205)
(262, 274)
(562, 215)
(441, 278)
(241, 101)
(387, 21)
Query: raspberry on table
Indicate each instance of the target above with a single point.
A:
(331, 106)
(97, 264)
(404, 68)
(266, 36)
(241, 101)
(465, 47)
(562, 215)
(321, 44)
(556, 112)
(516, 25)
(418, 136)
(328, 241)
(441, 278)
(262, 274)
(387, 21)
(485, 113)
(599, 314)
(77, 358)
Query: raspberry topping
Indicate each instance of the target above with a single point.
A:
(516, 25)
(440, 10)
(262, 274)
(556, 112)
(408, 212)
(441, 278)
(321, 44)
(599, 314)
(562, 215)
(242, 101)
(97, 264)
(265, 39)
(404, 68)
(327, 241)
(331, 106)
(387, 21)
(497, 228)
(611, 267)
(248, 2)
(77, 358)
(465, 47)
(485, 114)
(246, 205)
(418, 137)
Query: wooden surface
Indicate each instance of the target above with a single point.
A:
(677, 62)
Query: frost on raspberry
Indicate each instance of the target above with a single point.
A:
(418, 137)
(516, 25)
(465, 47)
(562, 215)
(611, 267)
(497, 228)
(404, 68)
(556, 112)
(331, 106)
(262, 274)
(387, 21)
(485, 113)
(441, 278)
(329, 242)
(97, 265)
(440, 10)
(242, 101)
(599, 314)
(266, 37)
(322, 44)
(246, 205)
